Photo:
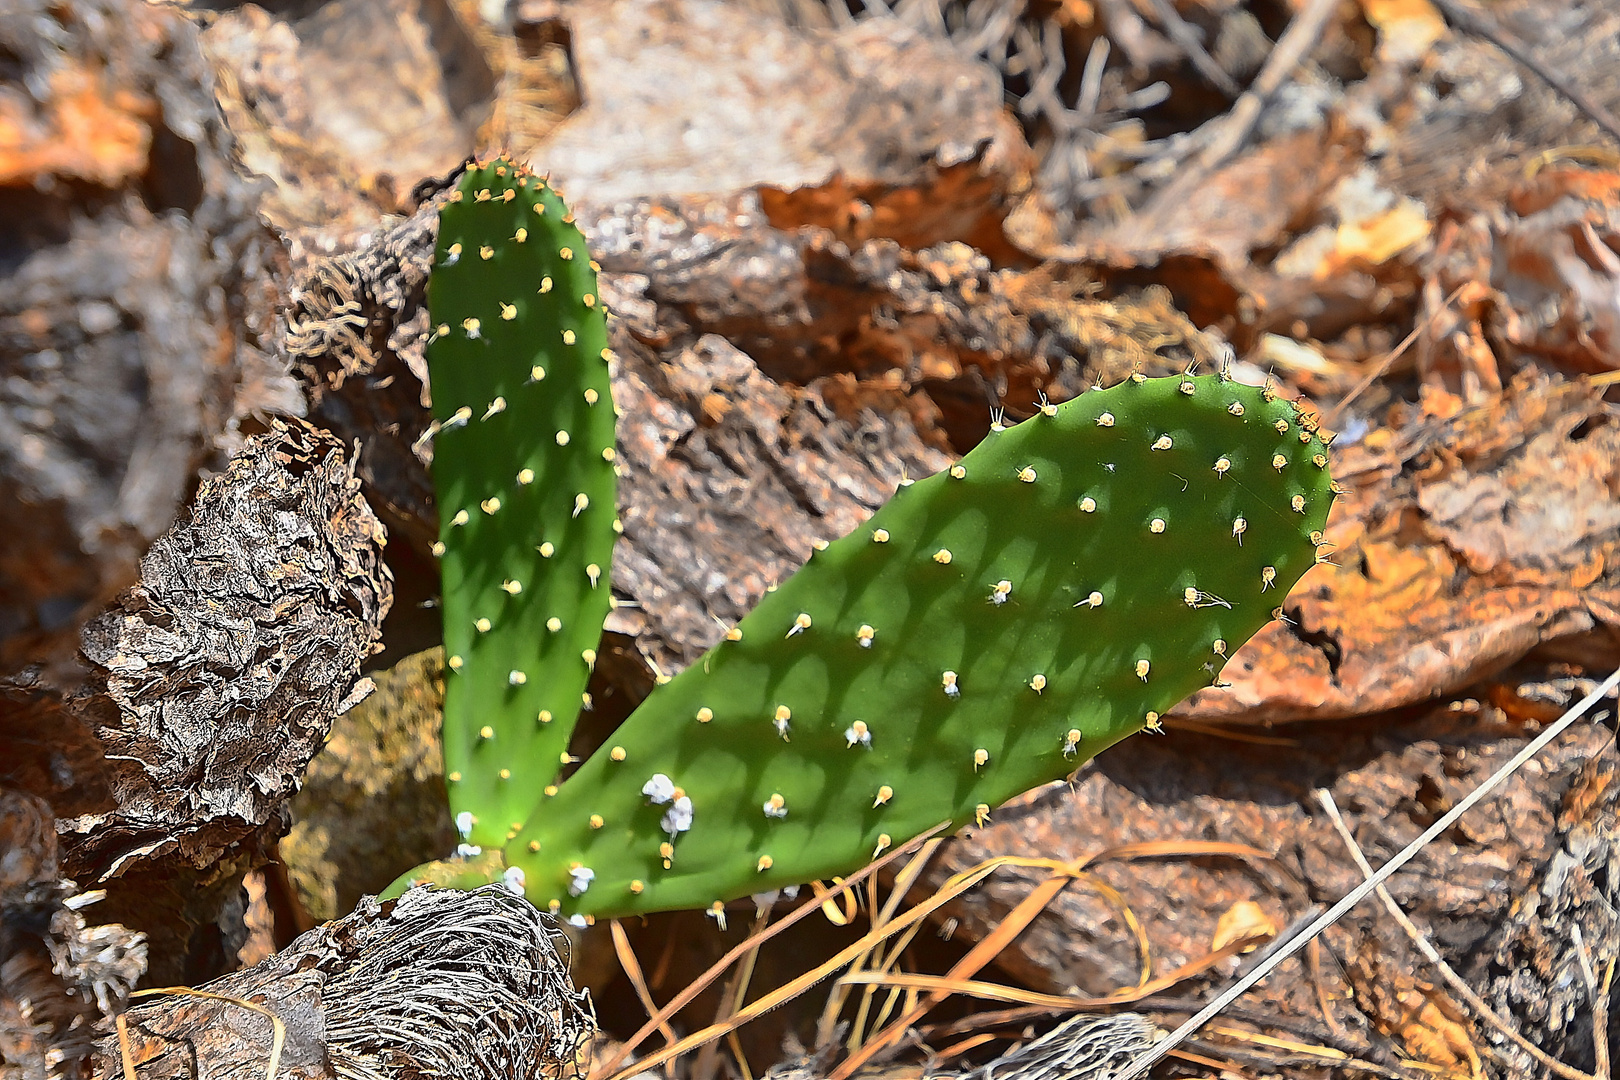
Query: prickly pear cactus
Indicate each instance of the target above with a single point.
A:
(523, 469)
(1068, 581)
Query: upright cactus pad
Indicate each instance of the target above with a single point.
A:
(994, 625)
(523, 469)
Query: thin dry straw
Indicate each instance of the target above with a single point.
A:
(1141, 1065)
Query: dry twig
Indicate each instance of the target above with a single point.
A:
(1188, 40)
(1226, 135)
(828, 1023)
(731, 998)
(942, 986)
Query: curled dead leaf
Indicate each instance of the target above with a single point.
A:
(1244, 920)
(1432, 1035)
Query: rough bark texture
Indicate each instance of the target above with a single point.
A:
(216, 679)
(57, 976)
(434, 984)
(746, 348)
(134, 322)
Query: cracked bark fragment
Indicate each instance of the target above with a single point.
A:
(215, 681)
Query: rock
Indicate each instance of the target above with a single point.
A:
(373, 804)
(693, 97)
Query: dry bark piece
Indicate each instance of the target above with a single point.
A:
(436, 983)
(57, 976)
(217, 677)
(132, 310)
(357, 334)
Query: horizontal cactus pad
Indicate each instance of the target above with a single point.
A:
(1064, 584)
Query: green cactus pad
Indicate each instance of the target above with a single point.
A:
(523, 470)
(985, 632)
(470, 872)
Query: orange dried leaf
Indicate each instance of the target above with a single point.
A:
(1243, 921)
(1434, 1037)
(1405, 27)
(1377, 239)
(1077, 12)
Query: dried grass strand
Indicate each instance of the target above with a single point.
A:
(754, 941)
(954, 888)
(632, 971)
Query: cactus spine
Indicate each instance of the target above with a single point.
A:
(523, 469)
(1068, 581)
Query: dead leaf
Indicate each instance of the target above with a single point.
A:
(1432, 1036)
(963, 201)
(1376, 240)
(1406, 28)
(1549, 185)
(1520, 708)
(1244, 920)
